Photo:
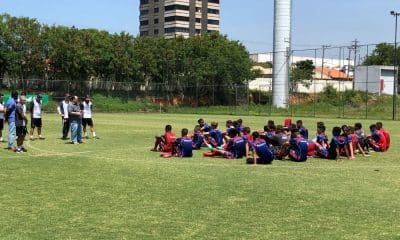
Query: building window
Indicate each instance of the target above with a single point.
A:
(198, 9)
(155, 20)
(144, 23)
(144, 33)
(144, 1)
(176, 29)
(198, 20)
(176, 7)
(213, 11)
(155, 31)
(213, 1)
(156, 10)
(176, 18)
(144, 12)
(213, 22)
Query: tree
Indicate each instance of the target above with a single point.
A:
(301, 72)
(382, 55)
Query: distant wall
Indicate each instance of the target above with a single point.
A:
(265, 84)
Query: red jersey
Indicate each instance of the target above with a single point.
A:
(169, 141)
(387, 136)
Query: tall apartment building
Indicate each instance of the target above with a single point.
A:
(171, 18)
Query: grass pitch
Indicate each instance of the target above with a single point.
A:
(115, 188)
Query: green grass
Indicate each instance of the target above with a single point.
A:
(115, 188)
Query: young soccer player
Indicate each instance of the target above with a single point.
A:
(235, 147)
(261, 153)
(302, 130)
(349, 151)
(184, 145)
(337, 143)
(377, 140)
(216, 134)
(204, 127)
(361, 137)
(298, 147)
(380, 128)
(356, 144)
(164, 143)
(197, 138)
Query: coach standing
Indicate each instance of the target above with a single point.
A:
(10, 117)
(75, 116)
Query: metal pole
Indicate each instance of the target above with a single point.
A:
(315, 98)
(366, 88)
(395, 73)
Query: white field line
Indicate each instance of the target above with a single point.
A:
(341, 165)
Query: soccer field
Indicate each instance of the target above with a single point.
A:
(115, 188)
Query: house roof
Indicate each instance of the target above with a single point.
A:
(333, 73)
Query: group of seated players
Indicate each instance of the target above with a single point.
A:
(273, 141)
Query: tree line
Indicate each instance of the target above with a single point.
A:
(29, 49)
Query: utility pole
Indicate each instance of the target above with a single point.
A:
(355, 47)
(323, 57)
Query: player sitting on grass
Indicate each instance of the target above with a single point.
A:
(359, 132)
(164, 143)
(377, 140)
(355, 142)
(197, 138)
(298, 147)
(333, 151)
(380, 128)
(235, 147)
(349, 151)
(302, 130)
(183, 145)
(261, 152)
(216, 134)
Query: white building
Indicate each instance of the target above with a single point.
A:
(328, 62)
(375, 79)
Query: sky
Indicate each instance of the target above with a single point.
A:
(315, 22)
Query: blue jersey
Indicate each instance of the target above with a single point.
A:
(263, 151)
(303, 132)
(237, 146)
(322, 139)
(197, 140)
(299, 149)
(184, 146)
(347, 137)
(206, 128)
(217, 136)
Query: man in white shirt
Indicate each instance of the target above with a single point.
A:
(87, 107)
(36, 116)
(63, 111)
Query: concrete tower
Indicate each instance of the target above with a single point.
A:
(282, 49)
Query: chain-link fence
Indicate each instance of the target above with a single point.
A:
(322, 98)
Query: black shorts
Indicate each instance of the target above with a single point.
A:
(1, 124)
(21, 131)
(87, 121)
(36, 122)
